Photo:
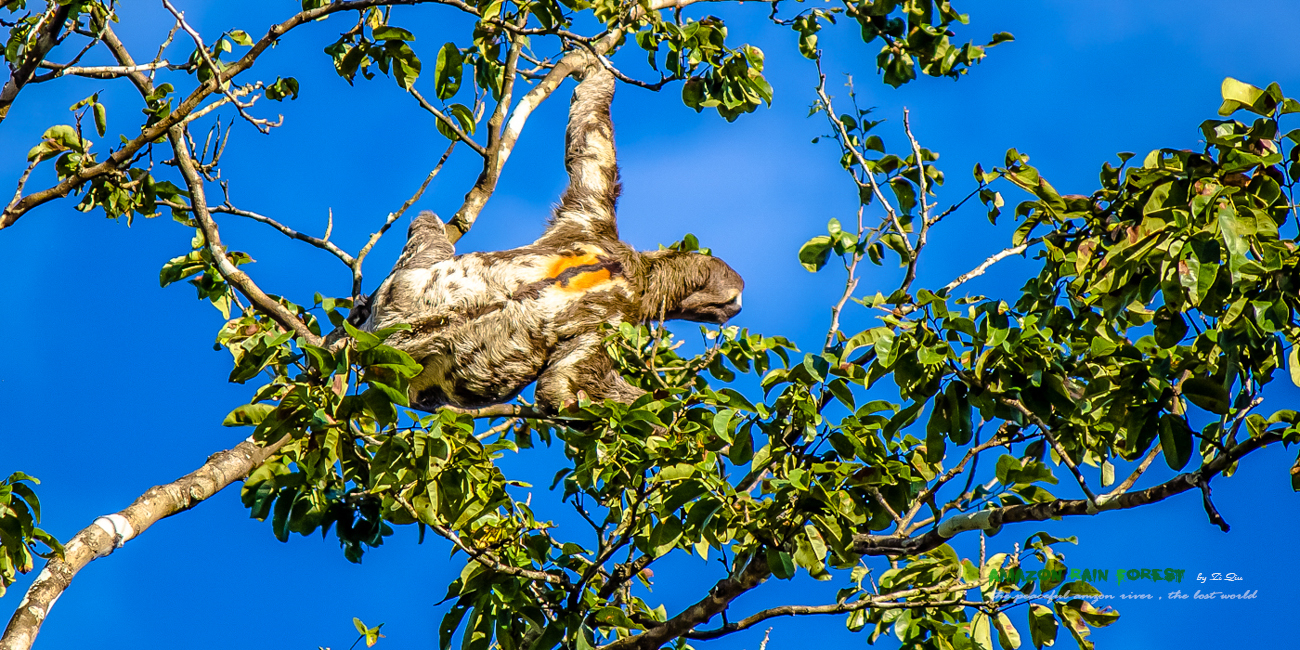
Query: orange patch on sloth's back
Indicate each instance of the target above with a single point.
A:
(570, 260)
(584, 281)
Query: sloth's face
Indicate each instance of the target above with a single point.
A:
(715, 302)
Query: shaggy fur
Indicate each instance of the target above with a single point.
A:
(485, 325)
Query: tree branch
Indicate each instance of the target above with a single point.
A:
(110, 532)
(880, 601)
(323, 244)
(47, 36)
(719, 598)
(232, 275)
(179, 115)
(449, 123)
(868, 544)
(260, 124)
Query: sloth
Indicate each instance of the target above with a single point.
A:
(486, 325)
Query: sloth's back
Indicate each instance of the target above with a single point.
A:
(485, 325)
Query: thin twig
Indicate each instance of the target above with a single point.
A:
(321, 243)
(109, 71)
(850, 284)
(510, 422)
(449, 123)
(910, 276)
(930, 490)
(903, 599)
(394, 216)
(868, 168)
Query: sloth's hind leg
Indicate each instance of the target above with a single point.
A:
(581, 364)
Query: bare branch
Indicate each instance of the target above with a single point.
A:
(394, 216)
(867, 166)
(498, 411)
(109, 71)
(22, 181)
(323, 244)
(1132, 478)
(1215, 518)
(850, 285)
(930, 490)
(500, 428)
(143, 83)
(110, 532)
(910, 277)
(986, 264)
(1047, 433)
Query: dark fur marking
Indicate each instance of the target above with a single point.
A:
(604, 264)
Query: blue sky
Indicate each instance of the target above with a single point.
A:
(110, 384)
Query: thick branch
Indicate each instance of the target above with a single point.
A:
(47, 37)
(868, 544)
(719, 598)
(140, 79)
(112, 531)
(499, 152)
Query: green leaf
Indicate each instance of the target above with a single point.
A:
(1239, 95)
(1175, 440)
(464, 116)
(1293, 364)
(1008, 637)
(1042, 625)
(780, 563)
(248, 415)
(448, 72)
(814, 252)
(282, 88)
(391, 33)
(365, 340)
(101, 119)
(664, 536)
(613, 617)
(1207, 394)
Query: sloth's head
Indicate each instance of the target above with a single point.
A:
(694, 287)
